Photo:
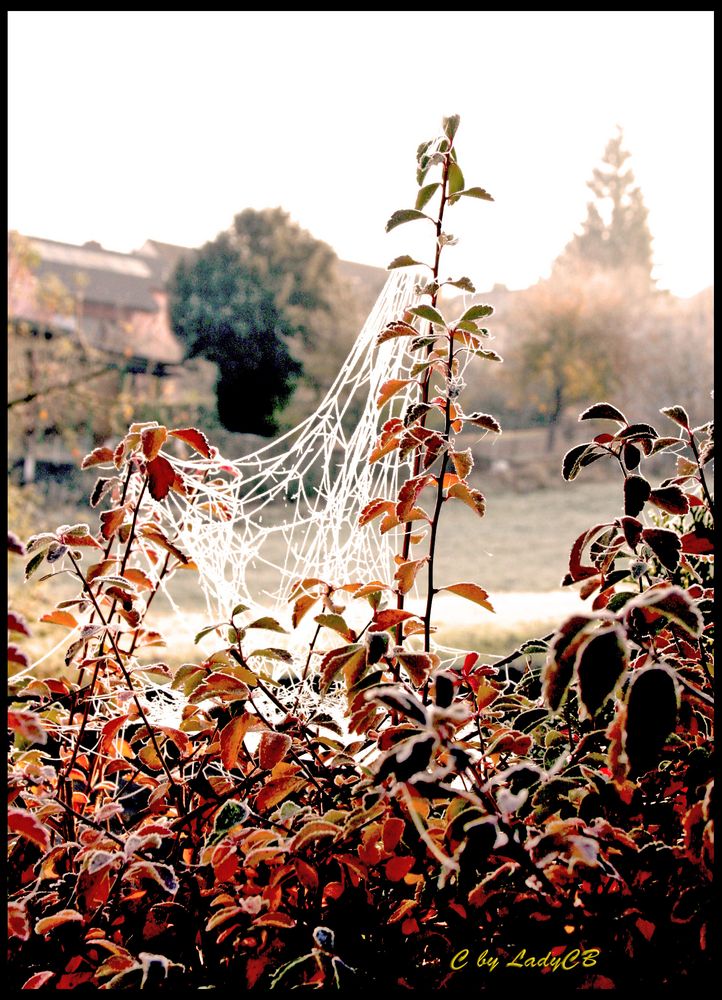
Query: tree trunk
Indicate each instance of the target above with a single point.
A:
(554, 417)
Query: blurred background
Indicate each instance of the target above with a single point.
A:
(196, 213)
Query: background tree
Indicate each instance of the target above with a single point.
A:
(570, 336)
(615, 235)
(264, 302)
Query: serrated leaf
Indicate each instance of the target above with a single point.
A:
(193, 437)
(60, 618)
(429, 313)
(670, 499)
(336, 659)
(603, 411)
(273, 653)
(472, 498)
(337, 624)
(152, 440)
(275, 790)
(405, 215)
(390, 388)
(672, 603)
(472, 192)
(475, 313)
(678, 414)
(465, 284)
(403, 261)
(98, 456)
(485, 421)
(574, 460)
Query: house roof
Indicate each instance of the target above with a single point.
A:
(97, 275)
(163, 258)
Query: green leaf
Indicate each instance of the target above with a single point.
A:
(425, 194)
(473, 192)
(487, 355)
(239, 609)
(337, 624)
(34, 563)
(204, 631)
(272, 653)
(428, 312)
(405, 215)
(465, 284)
(450, 125)
(476, 312)
(403, 261)
(270, 624)
(456, 178)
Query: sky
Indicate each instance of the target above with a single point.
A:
(132, 125)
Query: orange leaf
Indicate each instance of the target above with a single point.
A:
(307, 875)
(48, 924)
(138, 577)
(110, 521)
(196, 439)
(97, 457)
(231, 739)
(152, 440)
(302, 605)
(396, 868)
(38, 980)
(471, 592)
(406, 574)
(276, 790)
(463, 462)
(275, 919)
(22, 822)
(388, 619)
(272, 749)
(374, 508)
(472, 498)
(60, 618)
(390, 388)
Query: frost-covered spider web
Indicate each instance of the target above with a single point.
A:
(290, 510)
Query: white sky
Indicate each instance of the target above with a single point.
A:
(127, 125)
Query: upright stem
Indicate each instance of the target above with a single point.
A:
(406, 547)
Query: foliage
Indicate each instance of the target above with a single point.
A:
(447, 822)
(254, 301)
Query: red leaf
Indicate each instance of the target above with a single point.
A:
(393, 831)
(16, 623)
(16, 655)
(27, 724)
(195, 438)
(389, 619)
(161, 477)
(272, 749)
(18, 923)
(396, 868)
(38, 980)
(152, 440)
(110, 521)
